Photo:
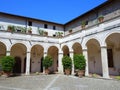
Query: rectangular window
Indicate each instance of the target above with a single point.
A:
(54, 27)
(110, 58)
(45, 26)
(29, 23)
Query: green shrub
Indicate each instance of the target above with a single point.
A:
(47, 62)
(67, 62)
(79, 61)
(7, 63)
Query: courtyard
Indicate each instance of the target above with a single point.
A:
(57, 82)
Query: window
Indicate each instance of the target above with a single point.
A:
(29, 23)
(54, 27)
(110, 58)
(45, 26)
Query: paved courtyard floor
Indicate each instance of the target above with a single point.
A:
(57, 82)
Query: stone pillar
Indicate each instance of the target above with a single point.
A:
(45, 54)
(7, 53)
(71, 55)
(85, 53)
(60, 66)
(104, 62)
(28, 63)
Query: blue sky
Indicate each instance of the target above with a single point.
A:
(60, 11)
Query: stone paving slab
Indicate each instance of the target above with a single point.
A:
(57, 82)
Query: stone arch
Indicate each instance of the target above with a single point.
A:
(19, 50)
(2, 49)
(53, 52)
(107, 35)
(94, 56)
(113, 51)
(65, 50)
(77, 48)
(87, 39)
(37, 54)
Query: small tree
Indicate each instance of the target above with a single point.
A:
(79, 62)
(47, 61)
(67, 64)
(7, 63)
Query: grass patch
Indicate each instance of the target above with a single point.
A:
(117, 77)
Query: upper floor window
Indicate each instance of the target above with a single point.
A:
(29, 23)
(54, 27)
(45, 26)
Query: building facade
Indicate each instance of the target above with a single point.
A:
(98, 41)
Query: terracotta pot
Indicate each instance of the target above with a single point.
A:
(70, 31)
(83, 26)
(67, 71)
(81, 73)
(7, 74)
(47, 71)
(30, 32)
(100, 19)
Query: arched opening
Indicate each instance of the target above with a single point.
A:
(18, 51)
(94, 57)
(53, 52)
(2, 51)
(77, 49)
(36, 58)
(65, 51)
(113, 52)
(17, 67)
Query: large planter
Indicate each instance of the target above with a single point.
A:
(47, 62)
(100, 19)
(47, 71)
(7, 74)
(83, 26)
(67, 71)
(67, 64)
(81, 73)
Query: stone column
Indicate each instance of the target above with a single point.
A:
(104, 62)
(45, 54)
(71, 55)
(7, 53)
(28, 63)
(60, 66)
(85, 53)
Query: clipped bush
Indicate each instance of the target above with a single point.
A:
(79, 62)
(47, 62)
(67, 62)
(7, 63)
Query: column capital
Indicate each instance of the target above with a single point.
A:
(28, 52)
(45, 52)
(84, 49)
(71, 51)
(7, 51)
(103, 46)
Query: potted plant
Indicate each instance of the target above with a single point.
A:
(47, 62)
(79, 64)
(67, 64)
(45, 33)
(7, 63)
(11, 28)
(101, 18)
(30, 30)
(23, 29)
(41, 32)
(83, 24)
(70, 31)
(59, 34)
